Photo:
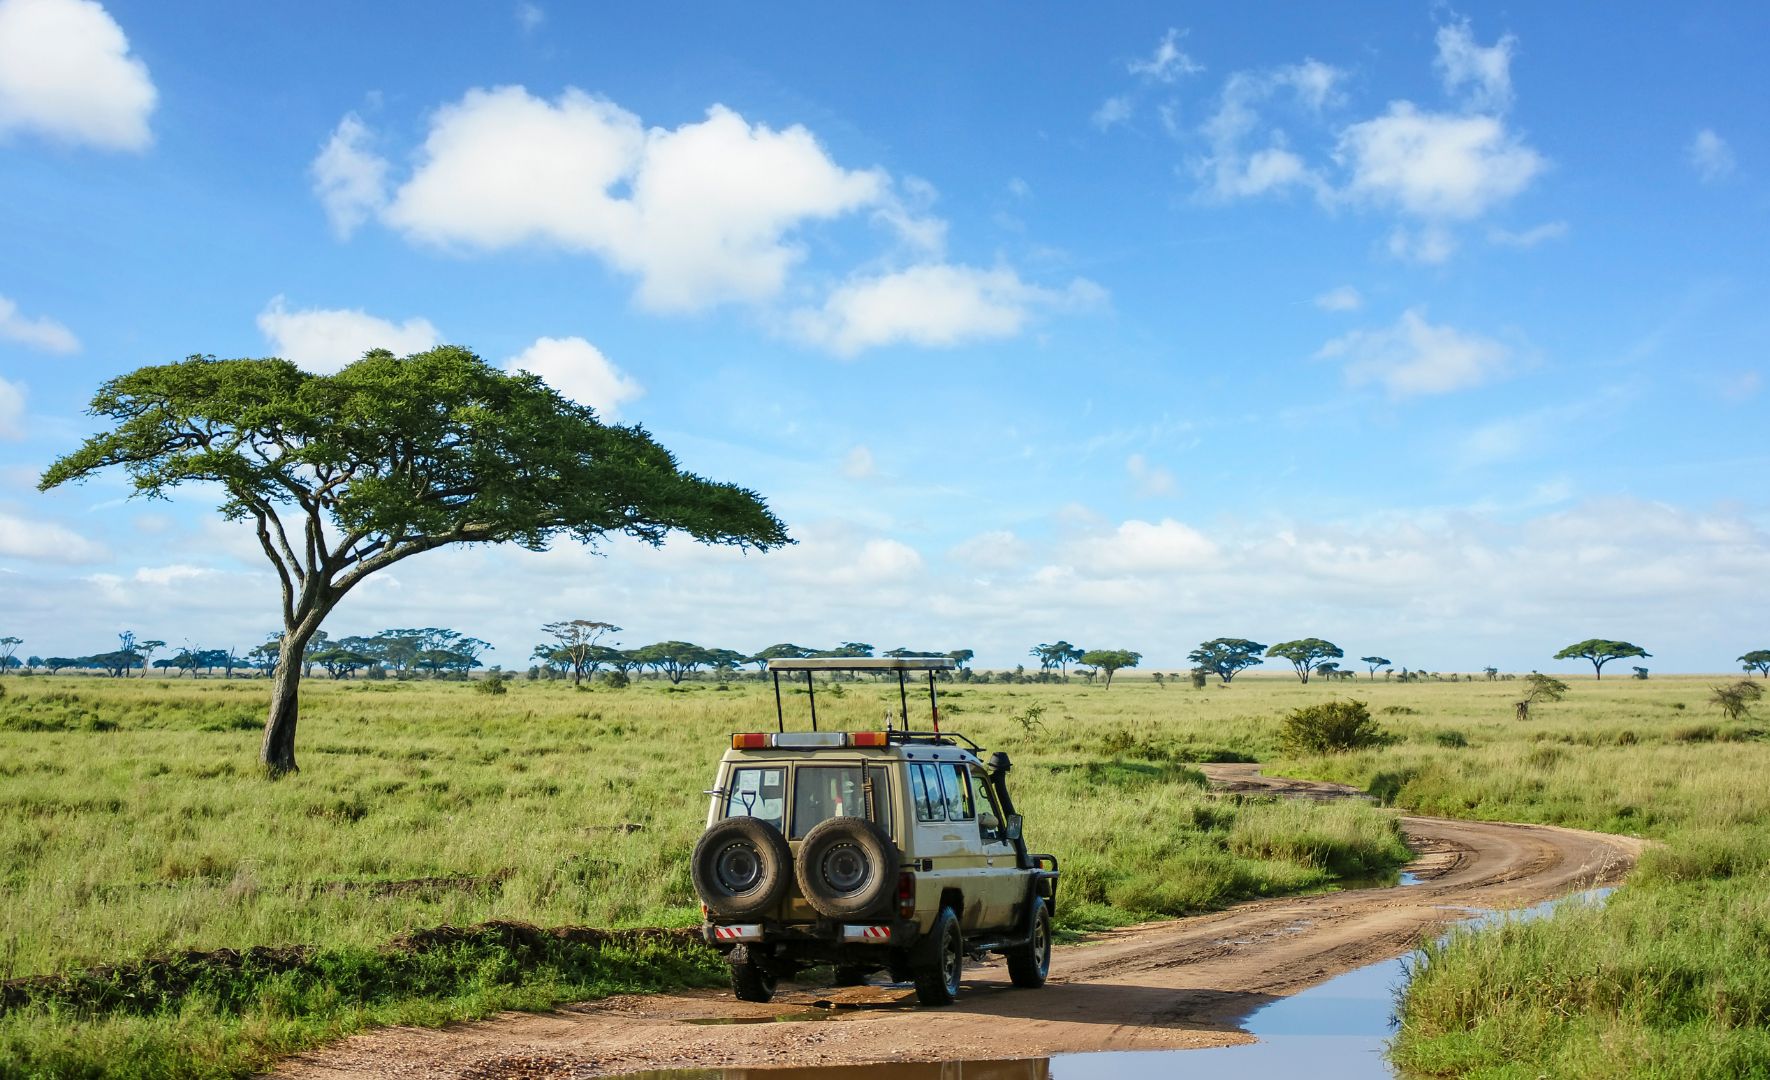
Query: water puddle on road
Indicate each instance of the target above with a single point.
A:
(1336, 1030)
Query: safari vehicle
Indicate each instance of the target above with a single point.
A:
(894, 850)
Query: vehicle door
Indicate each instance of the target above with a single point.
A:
(1007, 888)
(946, 837)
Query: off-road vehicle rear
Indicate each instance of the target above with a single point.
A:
(894, 850)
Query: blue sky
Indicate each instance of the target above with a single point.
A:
(1438, 332)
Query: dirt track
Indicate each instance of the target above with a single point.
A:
(1180, 983)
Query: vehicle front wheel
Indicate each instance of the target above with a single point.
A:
(1030, 964)
(937, 976)
(749, 980)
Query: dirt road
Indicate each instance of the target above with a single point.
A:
(1179, 983)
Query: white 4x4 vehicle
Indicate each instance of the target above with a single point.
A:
(869, 850)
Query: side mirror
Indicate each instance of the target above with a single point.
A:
(1014, 821)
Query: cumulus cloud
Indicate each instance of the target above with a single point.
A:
(1168, 63)
(66, 73)
(1481, 76)
(38, 333)
(1435, 165)
(1342, 298)
(859, 464)
(1710, 156)
(349, 178)
(1234, 169)
(933, 305)
(324, 340)
(43, 541)
(12, 410)
(998, 549)
(577, 369)
(1429, 244)
(530, 16)
(700, 214)
(1112, 112)
(1415, 358)
(1137, 547)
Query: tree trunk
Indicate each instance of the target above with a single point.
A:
(277, 753)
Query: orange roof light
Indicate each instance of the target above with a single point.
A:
(749, 742)
(867, 738)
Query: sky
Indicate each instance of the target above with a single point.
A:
(1436, 331)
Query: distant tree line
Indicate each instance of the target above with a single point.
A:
(434, 652)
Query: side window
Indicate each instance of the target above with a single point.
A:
(925, 789)
(957, 784)
(757, 793)
(986, 804)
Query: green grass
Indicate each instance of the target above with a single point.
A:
(133, 823)
(1671, 978)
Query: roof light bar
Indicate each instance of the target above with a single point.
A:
(806, 740)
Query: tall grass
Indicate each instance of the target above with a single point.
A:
(133, 823)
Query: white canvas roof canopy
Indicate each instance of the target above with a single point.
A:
(902, 665)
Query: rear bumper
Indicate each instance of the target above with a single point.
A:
(814, 937)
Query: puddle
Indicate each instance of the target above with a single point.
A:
(1333, 1031)
(1379, 881)
(802, 1015)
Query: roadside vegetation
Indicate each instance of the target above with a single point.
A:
(1671, 976)
(136, 828)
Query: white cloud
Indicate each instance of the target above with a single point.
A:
(326, 339)
(1430, 244)
(22, 538)
(1528, 238)
(12, 410)
(1343, 298)
(1168, 62)
(701, 214)
(1710, 156)
(998, 549)
(1138, 547)
(859, 464)
(933, 305)
(39, 333)
(1232, 171)
(1481, 76)
(66, 72)
(349, 178)
(530, 16)
(1435, 165)
(577, 369)
(1414, 358)
(1148, 480)
(1111, 113)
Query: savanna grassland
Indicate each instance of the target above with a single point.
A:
(134, 823)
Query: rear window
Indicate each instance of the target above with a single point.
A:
(821, 792)
(758, 793)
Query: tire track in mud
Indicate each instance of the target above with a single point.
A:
(1167, 985)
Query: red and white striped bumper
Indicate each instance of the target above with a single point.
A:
(867, 934)
(738, 932)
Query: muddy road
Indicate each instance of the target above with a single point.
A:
(1167, 985)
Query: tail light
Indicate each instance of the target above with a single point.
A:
(906, 894)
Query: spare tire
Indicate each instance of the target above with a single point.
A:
(847, 868)
(740, 867)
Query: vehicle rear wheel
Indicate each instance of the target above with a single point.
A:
(937, 976)
(1030, 964)
(749, 980)
(741, 867)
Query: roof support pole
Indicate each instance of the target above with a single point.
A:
(903, 700)
(780, 713)
(933, 703)
(811, 689)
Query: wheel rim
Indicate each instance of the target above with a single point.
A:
(952, 962)
(845, 869)
(738, 868)
(1042, 944)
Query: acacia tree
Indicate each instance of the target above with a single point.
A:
(1058, 655)
(1227, 657)
(1374, 662)
(1600, 652)
(575, 642)
(1108, 661)
(1757, 660)
(346, 474)
(1305, 653)
(8, 646)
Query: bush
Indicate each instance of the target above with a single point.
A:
(1455, 740)
(493, 683)
(1331, 727)
(614, 680)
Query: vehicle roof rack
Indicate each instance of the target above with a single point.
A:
(931, 738)
(863, 663)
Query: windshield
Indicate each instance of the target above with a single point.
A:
(821, 792)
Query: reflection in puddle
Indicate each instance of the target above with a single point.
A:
(1334, 1031)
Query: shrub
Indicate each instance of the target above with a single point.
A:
(493, 683)
(614, 680)
(1736, 701)
(1329, 728)
(1456, 740)
(1198, 676)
